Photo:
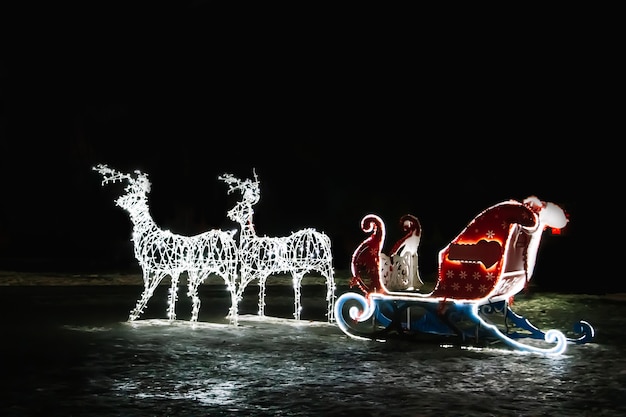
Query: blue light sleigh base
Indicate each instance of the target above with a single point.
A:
(479, 274)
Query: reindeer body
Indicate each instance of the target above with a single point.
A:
(298, 254)
(161, 253)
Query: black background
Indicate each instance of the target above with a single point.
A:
(338, 117)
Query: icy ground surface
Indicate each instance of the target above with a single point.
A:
(68, 350)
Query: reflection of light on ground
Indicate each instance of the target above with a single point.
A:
(174, 323)
(208, 392)
(222, 394)
(505, 351)
(273, 366)
(287, 322)
(87, 329)
(243, 319)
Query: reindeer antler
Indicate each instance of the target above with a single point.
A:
(111, 175)
(237, 184)
(230, 179)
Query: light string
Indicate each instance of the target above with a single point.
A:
(300, 253)
(161, 253)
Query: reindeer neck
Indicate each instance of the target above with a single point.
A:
(141, 218)
(243, 213)
(247, 230)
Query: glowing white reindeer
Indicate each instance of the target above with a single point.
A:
(161, 253)
(259, 257)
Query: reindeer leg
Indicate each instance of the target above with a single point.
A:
(244, 279)
(195, 280)
(150, 281)
(297, 294)
(330, 296)
(262, 295)
(231, 286)
(233, 313)
(192, 292)
(173, 296)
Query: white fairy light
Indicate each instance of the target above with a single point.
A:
(261, 256)
(161, 253)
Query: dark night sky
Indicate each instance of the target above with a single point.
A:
(335, 127)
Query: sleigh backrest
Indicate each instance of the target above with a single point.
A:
(494, 256)
(515, 272)
(487, 257)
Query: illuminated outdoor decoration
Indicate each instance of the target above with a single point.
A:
(261, 256)
(398, 271)
(480, 272)
(161, 253)
(401, 269)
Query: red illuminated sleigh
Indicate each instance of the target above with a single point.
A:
(480, 272)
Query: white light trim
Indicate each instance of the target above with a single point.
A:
(298, 254)
(162, 253)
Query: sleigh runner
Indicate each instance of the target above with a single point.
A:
(479, 274)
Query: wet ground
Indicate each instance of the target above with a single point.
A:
(69, 350)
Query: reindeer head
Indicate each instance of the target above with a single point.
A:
(242, 212)
(136, 196)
